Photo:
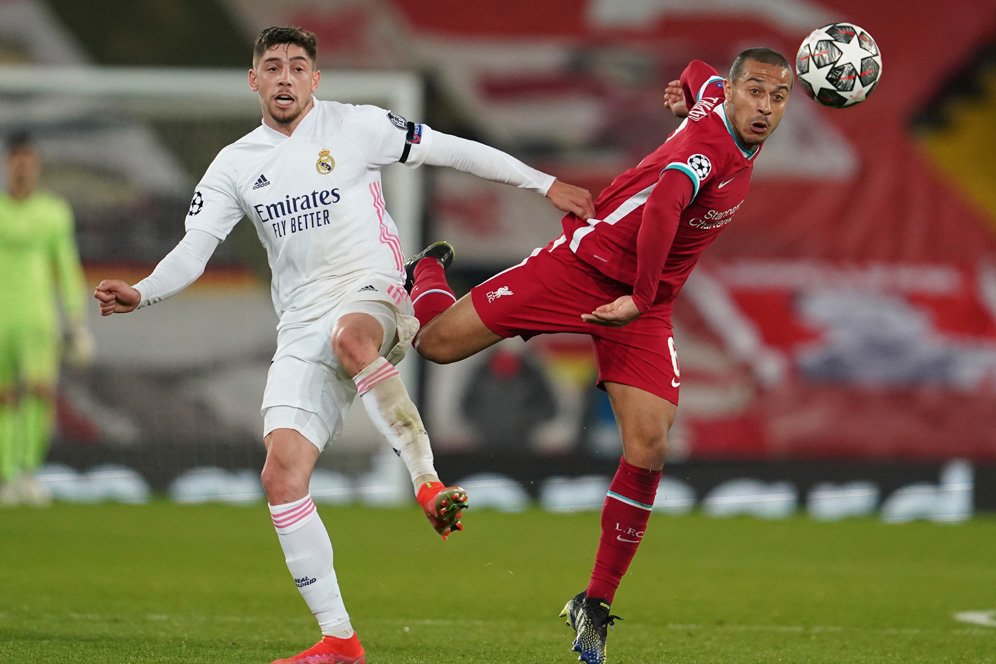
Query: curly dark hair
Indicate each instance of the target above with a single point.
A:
(277, 35)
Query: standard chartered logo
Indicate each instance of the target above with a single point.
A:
(714, 218)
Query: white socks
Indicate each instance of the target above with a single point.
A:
(391, 410)
(308, 552)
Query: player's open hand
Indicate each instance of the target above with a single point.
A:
(116, 297)
(674, 98)
(571, 199)
(613, 314)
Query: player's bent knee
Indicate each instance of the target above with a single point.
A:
(441, 345)
(280, 485)
(353, 349)
(287, 469)
(442, 354)
(430, 349)
(646, 451)
(428, 344)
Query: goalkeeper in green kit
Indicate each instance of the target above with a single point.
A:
(40, 270)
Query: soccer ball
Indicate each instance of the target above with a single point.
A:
(839, 64)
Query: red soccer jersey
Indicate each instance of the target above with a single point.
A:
(650, 225)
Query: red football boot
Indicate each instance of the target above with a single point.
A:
(330, 650)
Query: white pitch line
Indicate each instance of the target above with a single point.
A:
(983, 618)
(975, 618)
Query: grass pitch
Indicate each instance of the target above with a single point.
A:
(207, 584)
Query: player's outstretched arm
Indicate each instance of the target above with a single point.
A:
(571, 199)
(492, 164)
(674, 99)
(116, 297)
(180, 268)
(614, 314)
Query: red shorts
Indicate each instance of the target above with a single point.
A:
(550, 290)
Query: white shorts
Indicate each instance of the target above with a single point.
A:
(306, 388)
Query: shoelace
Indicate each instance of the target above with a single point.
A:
(609, 619)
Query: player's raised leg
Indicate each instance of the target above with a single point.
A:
(357, 341)
(425, 281)
(455, 334)
(461, 332)
(441, 251)
(307, 547)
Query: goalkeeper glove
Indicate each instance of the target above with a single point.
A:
(80, 347)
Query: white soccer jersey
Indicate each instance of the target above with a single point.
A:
(316, 200)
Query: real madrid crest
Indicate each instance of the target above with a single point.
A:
(325, 162)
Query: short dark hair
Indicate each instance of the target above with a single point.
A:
(758, 54)
(277, 35)
(19, 140)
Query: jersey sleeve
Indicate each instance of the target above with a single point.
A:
(180, 268)
(700, 79)
(658, 227)
(691, 152)
(485, 162)
(389, 138)
(695, 156)
(216, 207)
(71, 282)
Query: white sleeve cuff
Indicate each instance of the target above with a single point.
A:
(180, 268)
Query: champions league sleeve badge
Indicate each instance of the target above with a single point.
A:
(397, 120)
(325, 162)
(196, 204)
(700, 165)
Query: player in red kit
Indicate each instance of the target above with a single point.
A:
(614, 277)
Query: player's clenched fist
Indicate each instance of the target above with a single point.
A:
(116, 297)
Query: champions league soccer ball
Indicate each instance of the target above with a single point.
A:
(838, 65)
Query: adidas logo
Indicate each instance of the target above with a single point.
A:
(366, 288)
(261, 182)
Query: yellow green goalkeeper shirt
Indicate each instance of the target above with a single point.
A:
(39, 261)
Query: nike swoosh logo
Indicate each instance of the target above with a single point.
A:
(675, 382)
(725, 182)
(628, 541)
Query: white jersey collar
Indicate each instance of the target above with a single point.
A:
(309, 119)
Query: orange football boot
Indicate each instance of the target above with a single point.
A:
(442, 506)
(330, 650)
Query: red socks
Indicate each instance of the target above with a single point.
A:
(431, 295)
(625, 514)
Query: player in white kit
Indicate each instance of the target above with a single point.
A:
(308, 178)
